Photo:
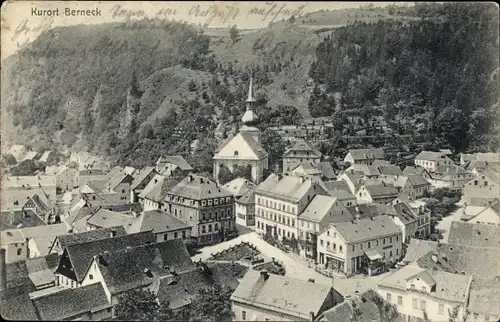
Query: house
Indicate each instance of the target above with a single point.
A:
(30, 155)
(316, 217)
(130, 170)
(389, 173)
(483, 190)
(239, 186)
(136, 267)
(37, 205)
(364, 170)
(37, 273)
(407, 221)
(321, 170)
(18, 151)
(415, 290)
(86, 175)
(45, 156)
(104, 218)
(417, 248)
(117, 189)
(153, 195)
(364, 156)
(88, 303)
(490, 157)
(141, 180)
(173, 166)
(243, 149)
(279, 203)
(476, 235)
(16, 219)
(66, 177)
(353, 180)
(300, 152)
(431, 160)
(413, 185)
(408, 170)
(452, 177)
(60, 242)
(76, 259)
(484, 299)
(261, 296)
(489, 215)
(245, 209)
(376, 193)
(345, 197)
(164, 226)
(181, 290)
(17, 190)
(420, 212)
(22, 243)
(348, 247)
(205, 206)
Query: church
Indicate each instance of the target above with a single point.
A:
(243, 149)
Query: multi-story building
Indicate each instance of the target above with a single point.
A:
(376, 193)
(261, 296)
(431, 160)
(173, 166)
(153, 195)
(484, 189)
(413, 185)
(415, 290)
(205, 206)
(164, 226)
(301, 152)
(244, 148)
(141, 179)
(321, 211)
(452, 177)
(279, 203)
(350, 246)
(245, 209)
(364, 156)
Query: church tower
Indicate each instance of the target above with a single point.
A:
(250, 119)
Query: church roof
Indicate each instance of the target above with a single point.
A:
(246, 146)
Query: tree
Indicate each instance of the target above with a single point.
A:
(27, 168)
(138, 305)
(9, 159)
(234, 34)
(274, 144)
(211, 304)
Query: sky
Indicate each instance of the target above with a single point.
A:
(23, 21)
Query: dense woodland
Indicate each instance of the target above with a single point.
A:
(133, 91)
(436, 75)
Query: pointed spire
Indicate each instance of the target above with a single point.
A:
(250, 89)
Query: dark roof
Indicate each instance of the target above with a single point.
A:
(404, 213)
(81, 254)
(196, 187)
(337, 185)
(413, 170)
(327, 170)
(389, 170)
(19, 272)
(470, 234)
(128, 268)
(302, 149)
(70, 302)
(88, 236)
(248, 197)
(418, 248)
(127, 207)
(177, 160)
(158, 221)
(16, 303)
(377, 190)
(364, 154)
(143, 174)
(158, 188)
(28, 220)
(118, 179)
(80, 214)
(180, 290)
(429, 155)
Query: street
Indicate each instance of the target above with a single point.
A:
(295, 268)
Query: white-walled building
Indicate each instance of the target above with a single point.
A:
(431, 160)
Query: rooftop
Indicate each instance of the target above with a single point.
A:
(418, 248)
(156, 220)
(364, 154)
(104, 218)
(176, 160)
(470, 234)
(88, 236)
(367, 228)
(158, 188)
(326, 208)
(196, 187)
(292, 187)
(429, 155)
(380, 190)
(239, 186)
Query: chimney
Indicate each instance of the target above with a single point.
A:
(3, 270)
(112, 233)
(264, 275)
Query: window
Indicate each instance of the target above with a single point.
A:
(414, 303)
(243, 315)
(19, 251)
(383, 241)
(340, 248)
(361, 246)
(334, 246)
(175, 234)
(353, 247)
(369, 245)
(377, 242)
(390, 240)
(293, 222)
(123, 190)
(389, 297)
(412, 286)
(422, 305)
(91, 277)
(321, 242)
(165, 237)
(400, 300)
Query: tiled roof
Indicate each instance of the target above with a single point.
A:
(418, 248)
(302, 149)
(429, 155)
(363, 169)
(239, 186)
(196, 187)
(139, 179)
(79, 214)
(126, 207)
(470, 234)
(290, 187)
(254, 145)
(364, 154)
(104, 218)
(279, 294)
(490, 157)
(81, 254)
(458, 258)
(117, 180)
(484, 296)
(70, 302)
(20, 235)
(248, 197)
(327, 170)
(16, 303)
(181, 290)
(30, 220)
(413, 170)
(326, 208)
(379, 190)
(451, 287)
(389, 170)
(176, 160)
(404, 213)
(32, 181)
(368, 228)
(337, 185)
(158, 188)
(450, 170)
(308, 168)
(88, 236)
(133, 267)
(19, 272)
(156, 220)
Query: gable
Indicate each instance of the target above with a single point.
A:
(237, 148)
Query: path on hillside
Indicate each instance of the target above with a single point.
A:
(294, 268)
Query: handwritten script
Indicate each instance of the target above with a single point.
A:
(26, 27)
(273, 11)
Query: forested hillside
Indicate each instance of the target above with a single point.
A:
(437, 75)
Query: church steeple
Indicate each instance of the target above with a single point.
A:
(250, 118)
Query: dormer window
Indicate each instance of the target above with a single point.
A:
(236, 153)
